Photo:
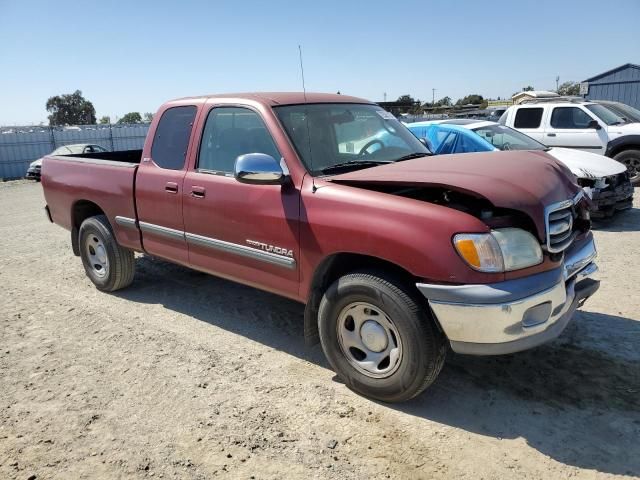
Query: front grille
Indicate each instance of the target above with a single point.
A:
(615, 181)
(560, 224)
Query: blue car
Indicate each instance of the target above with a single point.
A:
(444, 138)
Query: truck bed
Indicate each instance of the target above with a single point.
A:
(73, 184)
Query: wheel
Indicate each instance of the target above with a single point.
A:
(379, 338)
(109, 266)
(631, 160)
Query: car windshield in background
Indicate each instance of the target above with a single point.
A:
(625, 111)
(606, 115)
(505, 138)
(331, 138)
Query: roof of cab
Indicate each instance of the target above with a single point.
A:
(281, 98)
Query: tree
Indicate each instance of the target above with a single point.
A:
(406, 99)
(443, 102)
(70, 109)
(148, 117)
(131, 117)
(569, 89)
(105, 120)
(473, 99)
(528, 88)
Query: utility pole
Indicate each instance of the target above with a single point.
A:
(385, 96)
(557, 82)
(433, 96)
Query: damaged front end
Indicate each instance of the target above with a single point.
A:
(608, 194)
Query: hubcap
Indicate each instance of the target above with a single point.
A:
(369, 340)
(97, 255)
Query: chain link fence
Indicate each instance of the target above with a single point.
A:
(19, 146)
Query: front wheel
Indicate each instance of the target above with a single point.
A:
(631, 160)
(379, 338)
(108, 265)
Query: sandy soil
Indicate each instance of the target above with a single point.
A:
(187, 376)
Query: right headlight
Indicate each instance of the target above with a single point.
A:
(502, 250)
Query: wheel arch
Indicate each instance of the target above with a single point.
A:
(620, 144)
(80, 211)
(333, 267)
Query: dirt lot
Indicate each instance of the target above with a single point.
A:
(187, 376)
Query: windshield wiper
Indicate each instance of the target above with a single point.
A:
(413, 155)
(352, 164)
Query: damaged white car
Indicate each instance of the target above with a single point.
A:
(605, 180)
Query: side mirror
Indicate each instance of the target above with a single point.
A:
(258, 169)
(594, 124)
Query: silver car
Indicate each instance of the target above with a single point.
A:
(34, 167)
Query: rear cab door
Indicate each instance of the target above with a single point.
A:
(248, 233)
(568, 126)
(530, 121)
(159, 182)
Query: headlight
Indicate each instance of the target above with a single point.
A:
(502, 250)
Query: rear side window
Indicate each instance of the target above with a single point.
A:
(171, 139)
(230, 132)
(569, 117)
(528, 118)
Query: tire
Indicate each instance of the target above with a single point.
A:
(108, 265)
(420, 347)
(631, 160)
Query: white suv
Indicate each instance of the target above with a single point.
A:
(580, 124)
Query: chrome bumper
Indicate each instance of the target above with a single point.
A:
(514, 315)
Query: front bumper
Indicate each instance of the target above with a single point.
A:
(611, 199)
(33, 173)
(514, 315)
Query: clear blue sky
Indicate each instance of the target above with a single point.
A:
(133, 55)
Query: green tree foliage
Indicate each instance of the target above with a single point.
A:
(131, 117)
(105, 120)
(406, 99)
(70, 109)
(569, 89)
(148, 117)
(474, 99)
(528, 88)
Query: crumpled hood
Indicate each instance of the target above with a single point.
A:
(527, 181)
(586, 164)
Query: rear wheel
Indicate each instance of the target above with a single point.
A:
(108, 265)
(379, 338)
(631, 160)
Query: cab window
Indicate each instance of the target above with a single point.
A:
(528, 118)
(171, 138)
(230, 132)
(569, 117)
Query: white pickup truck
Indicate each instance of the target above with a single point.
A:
(580, 124)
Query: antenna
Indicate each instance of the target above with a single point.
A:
(304, 93)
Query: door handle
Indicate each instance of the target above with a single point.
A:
(551, 134)
(197, 192)
(171, 187)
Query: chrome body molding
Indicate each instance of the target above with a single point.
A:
(242, 250)
(514, 315)
(162, 231)
(126, 222)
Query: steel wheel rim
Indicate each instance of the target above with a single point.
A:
(96, 255)
(369, 340)
(633, 167)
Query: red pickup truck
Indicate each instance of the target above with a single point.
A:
(329, 200)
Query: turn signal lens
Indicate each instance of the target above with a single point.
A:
(502, 250)
(480, 250)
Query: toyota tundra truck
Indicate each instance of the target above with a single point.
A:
(329, 200)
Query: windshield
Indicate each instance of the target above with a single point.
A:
(347, 136)
(627, 112)
(604, 114)
(505, 138)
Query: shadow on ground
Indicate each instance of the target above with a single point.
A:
(591, 395)
(624, 221)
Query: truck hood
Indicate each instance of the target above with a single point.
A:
(624, 129)
(520, 180)
(585, 164)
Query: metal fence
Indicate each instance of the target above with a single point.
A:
(19, 146)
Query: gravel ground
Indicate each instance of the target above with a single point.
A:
(184, 375)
